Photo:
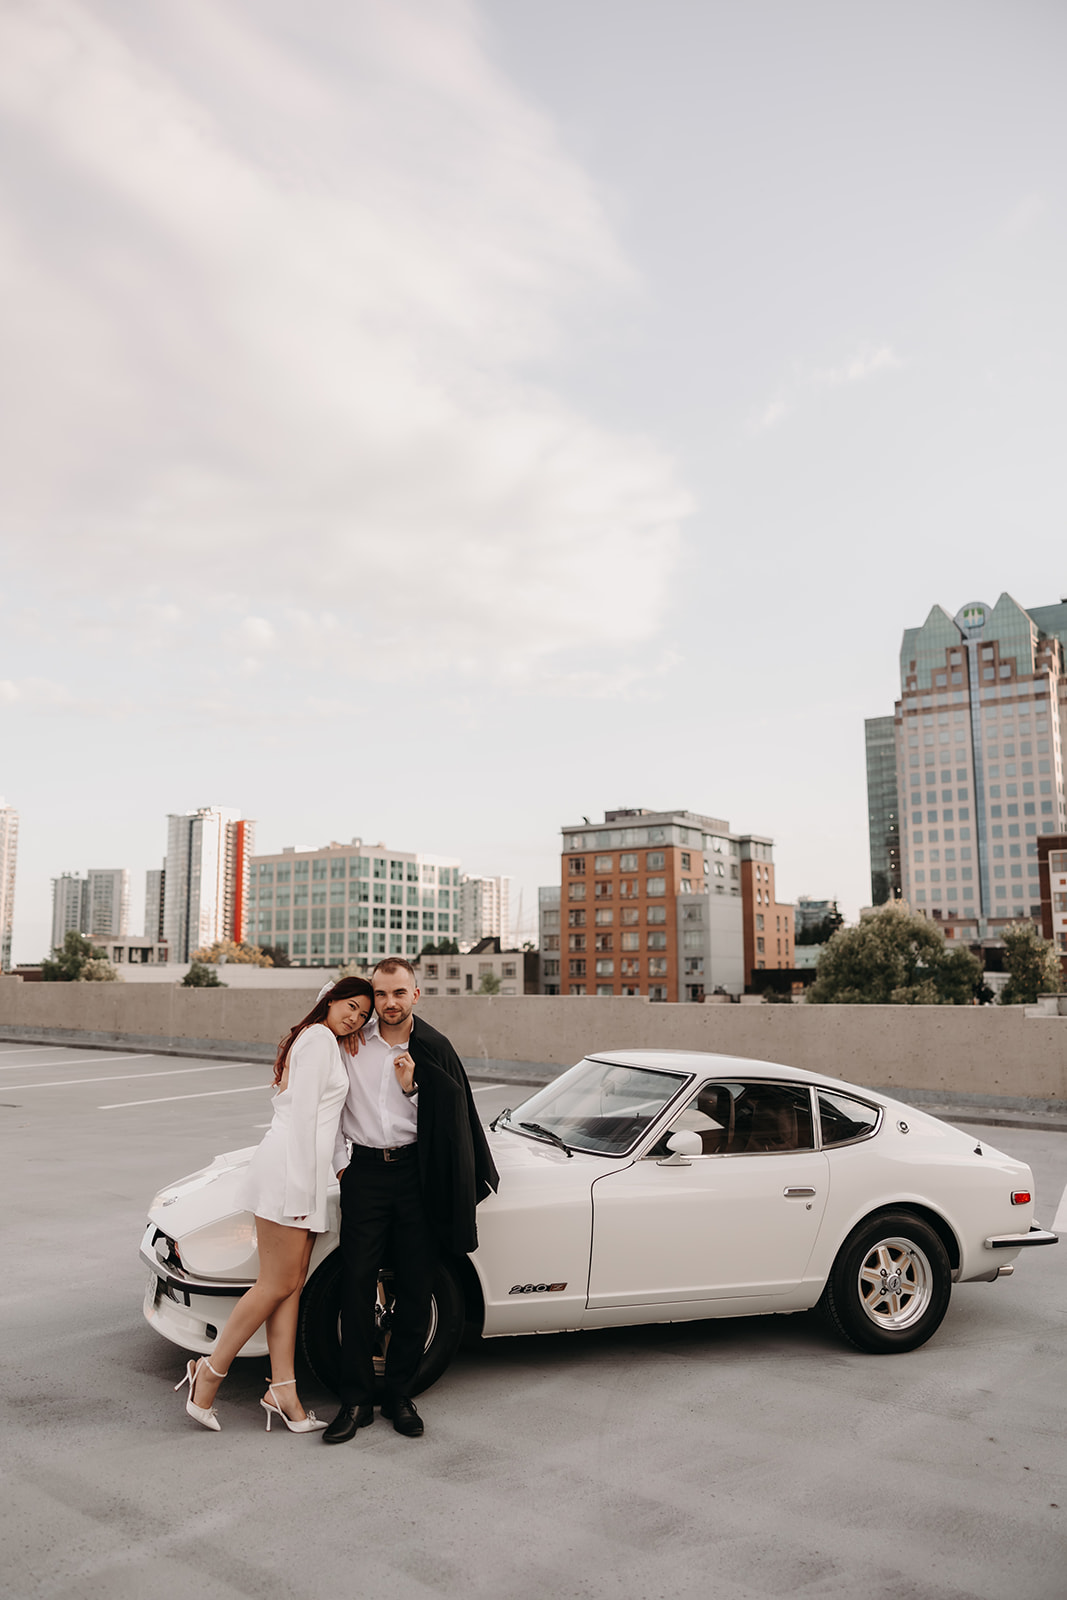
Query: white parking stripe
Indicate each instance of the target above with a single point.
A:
(486, 1088)
(1060, 1224)
(117, 1077)
(206, 1094)
(22, 1048)
(20, 1066)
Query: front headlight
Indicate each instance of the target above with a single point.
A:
(223, 1249)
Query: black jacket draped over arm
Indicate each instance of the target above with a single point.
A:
(455, 1165)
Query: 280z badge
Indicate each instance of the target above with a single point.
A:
(537, 1288)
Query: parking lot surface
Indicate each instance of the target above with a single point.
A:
(734, 1459)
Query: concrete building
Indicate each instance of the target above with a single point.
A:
(548, 937)
(68, 906)
(631, 891)
(516, 971)
(133, 951)
(809, 913)
(9, 845)
(883, 809)
(352, 903)
(980, 726)
(768, 924)
(1052, 867)
(206, 879)
(484, 910)
(154, 888)
(97, 905)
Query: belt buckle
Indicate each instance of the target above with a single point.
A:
(387, 1154)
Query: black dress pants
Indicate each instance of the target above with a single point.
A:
(383, 1224)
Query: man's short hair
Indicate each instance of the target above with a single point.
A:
(395, 964)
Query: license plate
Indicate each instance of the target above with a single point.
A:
(151, 1292)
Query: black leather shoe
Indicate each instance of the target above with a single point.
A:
(345, 1423)
(404, 1417)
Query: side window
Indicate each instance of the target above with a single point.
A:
(745, 1119)
(842, 1119)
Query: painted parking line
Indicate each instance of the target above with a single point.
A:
(19, 1066)
(1060, 1223)
(487, 1088)
(206, 1094)
(118, 1077)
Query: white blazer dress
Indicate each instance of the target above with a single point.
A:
(288, 1174)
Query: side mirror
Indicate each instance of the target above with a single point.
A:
(682, 1144)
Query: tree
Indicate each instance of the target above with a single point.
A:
(277, 954)
(894, 958)
(201, 976)
(1032, 963)
(98, 970)
(490, 984)
(70, 959)
(446, 947)
(240, 954)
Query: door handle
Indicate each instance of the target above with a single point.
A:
(798, 1194)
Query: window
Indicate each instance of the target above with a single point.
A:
(759, 915)
(657, 967)
(576, 891)
(630, 941)
(628, 889)
(744, 1119)
(602, 889)
(576, 865)
(657, 941)
(654, 861)
(576, 941)
(629, 914)
(655, 886)
(627, 863)
(685, 861)
(656, 914)
(603, 917)
(577, 969)
(603, 863)
(605, 969)
(604, 941)
(576, 919)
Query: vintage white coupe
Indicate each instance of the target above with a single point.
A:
(656, 1186)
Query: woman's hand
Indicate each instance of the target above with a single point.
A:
(404, 1067)
(352, 1041)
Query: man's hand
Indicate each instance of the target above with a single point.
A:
(405, 1071)
(352, 1041)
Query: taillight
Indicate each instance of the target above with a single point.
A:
(1021, 1197)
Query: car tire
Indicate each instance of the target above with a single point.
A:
(889, 1287)
(320, 1325)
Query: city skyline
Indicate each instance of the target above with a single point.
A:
(571, 403)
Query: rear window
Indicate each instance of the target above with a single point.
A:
(843, 1119)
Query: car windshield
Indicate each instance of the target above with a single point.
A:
(599, 1106)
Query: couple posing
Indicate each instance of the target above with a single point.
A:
(360, 1070)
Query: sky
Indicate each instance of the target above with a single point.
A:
(435, 421)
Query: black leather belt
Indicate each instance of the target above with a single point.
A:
(396, 1152)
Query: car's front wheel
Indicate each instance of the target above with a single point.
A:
(320, 1325)
(890, 1285)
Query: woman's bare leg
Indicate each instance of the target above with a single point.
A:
(281, 1342)
(283, 1255)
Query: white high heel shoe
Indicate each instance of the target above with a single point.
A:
(205, 1415)
(307, 1424)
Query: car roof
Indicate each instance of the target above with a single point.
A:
(707, 1064)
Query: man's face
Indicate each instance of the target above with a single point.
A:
(394, 996)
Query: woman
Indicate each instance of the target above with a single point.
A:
(285, 1187)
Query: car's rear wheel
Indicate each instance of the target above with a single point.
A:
(890, 1285)
(320, 1325)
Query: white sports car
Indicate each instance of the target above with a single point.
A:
(656, 1186)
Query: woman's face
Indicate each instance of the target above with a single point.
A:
(348, 1016)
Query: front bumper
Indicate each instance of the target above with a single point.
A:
(1020, 1241)
(187, 1310)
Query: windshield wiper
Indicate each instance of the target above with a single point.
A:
(500, 1118)
(546, 1133)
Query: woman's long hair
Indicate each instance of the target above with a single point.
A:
(345, 989)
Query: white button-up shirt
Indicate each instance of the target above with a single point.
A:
(376, 1112)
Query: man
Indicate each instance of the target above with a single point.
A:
(420, 1163)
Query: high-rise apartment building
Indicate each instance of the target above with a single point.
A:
(9, 845)
(206, 879)
(351, 903)
(154, 884)
(548, 937)
(484, 910)
(883, 808)
(768, 924)
(980, 726)
(652, 904)
(97, 905)
(1052, 862)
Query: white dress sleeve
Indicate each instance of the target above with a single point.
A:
(312, 1062)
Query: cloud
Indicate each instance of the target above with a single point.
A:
(284, 306)
(867, 363)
